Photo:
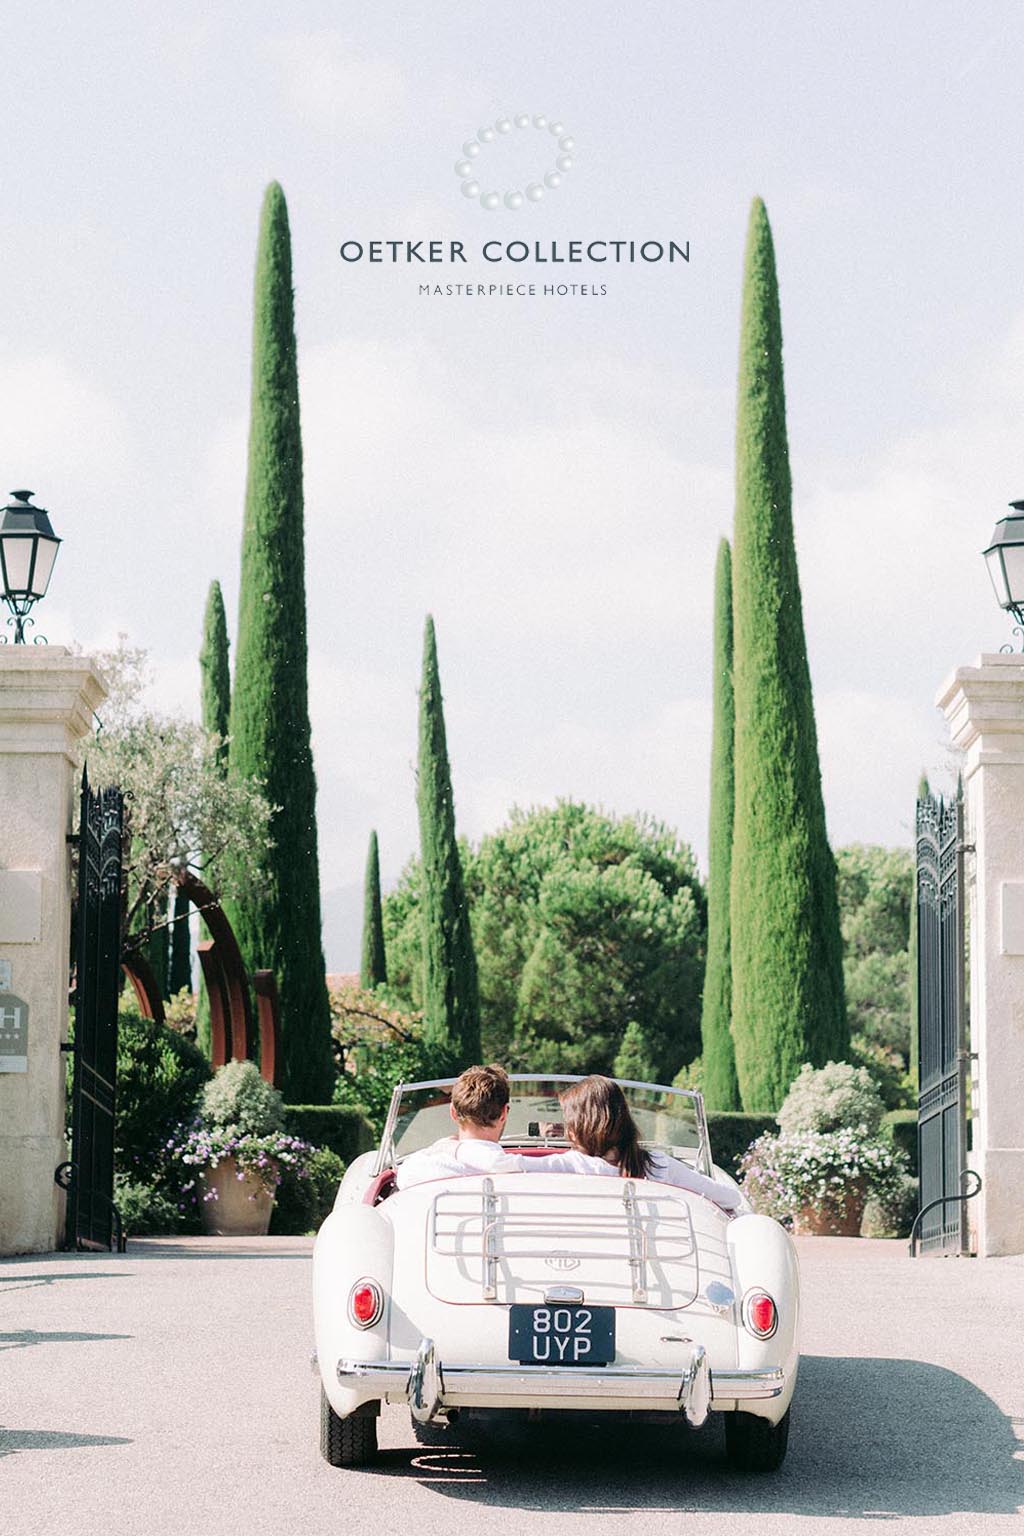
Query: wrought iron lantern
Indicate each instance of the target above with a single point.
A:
(28, 548)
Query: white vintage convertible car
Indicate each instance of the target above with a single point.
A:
(553, 1291)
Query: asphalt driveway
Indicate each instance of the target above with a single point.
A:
(168, 1390)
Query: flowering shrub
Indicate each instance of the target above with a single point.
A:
(239, 1116)
(238, 1099)
(201, 1147)
(305, 1195)
(783, 1174)
(832, 1098)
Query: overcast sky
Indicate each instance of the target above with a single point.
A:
(549, 476)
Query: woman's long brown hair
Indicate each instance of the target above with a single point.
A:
(597, 1120)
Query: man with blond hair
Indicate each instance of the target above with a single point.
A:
(479, 1107)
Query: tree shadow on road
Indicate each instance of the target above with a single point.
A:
(14, 1440)
(28, 1336)
(18, 1280)
(871, 1438)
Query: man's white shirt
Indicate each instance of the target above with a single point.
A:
(450, 1157)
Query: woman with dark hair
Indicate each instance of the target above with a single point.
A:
(598, 1123)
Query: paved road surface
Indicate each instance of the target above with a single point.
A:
(168, 1391)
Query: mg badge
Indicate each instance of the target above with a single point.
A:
(562, 1262)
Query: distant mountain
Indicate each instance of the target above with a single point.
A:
(342, 911)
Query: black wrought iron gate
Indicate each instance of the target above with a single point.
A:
(91, 1218)
(942, 1024)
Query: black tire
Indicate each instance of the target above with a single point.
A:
(754, 1445)
(350, 1442)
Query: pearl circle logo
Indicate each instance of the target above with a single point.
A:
(547, 179)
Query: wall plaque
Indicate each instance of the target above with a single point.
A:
(13, 1033)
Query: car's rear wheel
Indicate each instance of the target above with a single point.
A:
(348, 1442)
(754, 1445)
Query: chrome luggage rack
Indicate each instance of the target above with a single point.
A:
(458, 1215)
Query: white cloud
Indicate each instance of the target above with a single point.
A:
(59, 424)
(330, 85)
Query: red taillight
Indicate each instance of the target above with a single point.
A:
(365, 1303)
(760, 1314)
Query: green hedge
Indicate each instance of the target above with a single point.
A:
(341, 1127)
(732, 1132)
(159, 1078)
(901, 1126)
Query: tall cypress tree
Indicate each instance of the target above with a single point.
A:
(277, 920)
(215, 670)
(923, 790)
(450, 996)
(718, 1059)
(374, 968)
(787, 958)
(180, 973)
(215, 706)
(158, 947)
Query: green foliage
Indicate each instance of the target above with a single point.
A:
(341, 1127)
(277, 917)
(691, 1077)
(239, 1100)
(374, 970)
(362, 1017)
(787, 977)
(876, 887)
(180, 1013)
(159, 1077)
(305, 1196)
(721, 1090)
(387, 1063)
(147, 1210)
(183, 814)
(581, 922)
(732, 1133)
(885, 1069)
(834, 1097)
(891, 1213)
(634, 1060)
(900, 1125)
(451, 1003)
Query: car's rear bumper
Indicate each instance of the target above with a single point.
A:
(431, 1386)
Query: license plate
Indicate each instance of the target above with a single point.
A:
(559, 1335)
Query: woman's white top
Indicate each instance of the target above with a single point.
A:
(671, 1170)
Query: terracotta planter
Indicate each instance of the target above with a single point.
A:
(834, 1218)
(240, 1207)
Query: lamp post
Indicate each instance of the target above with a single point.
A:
(28, 548)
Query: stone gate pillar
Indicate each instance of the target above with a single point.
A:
(47, 699)
(984, 706)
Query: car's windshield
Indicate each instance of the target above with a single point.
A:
(670, 1119)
